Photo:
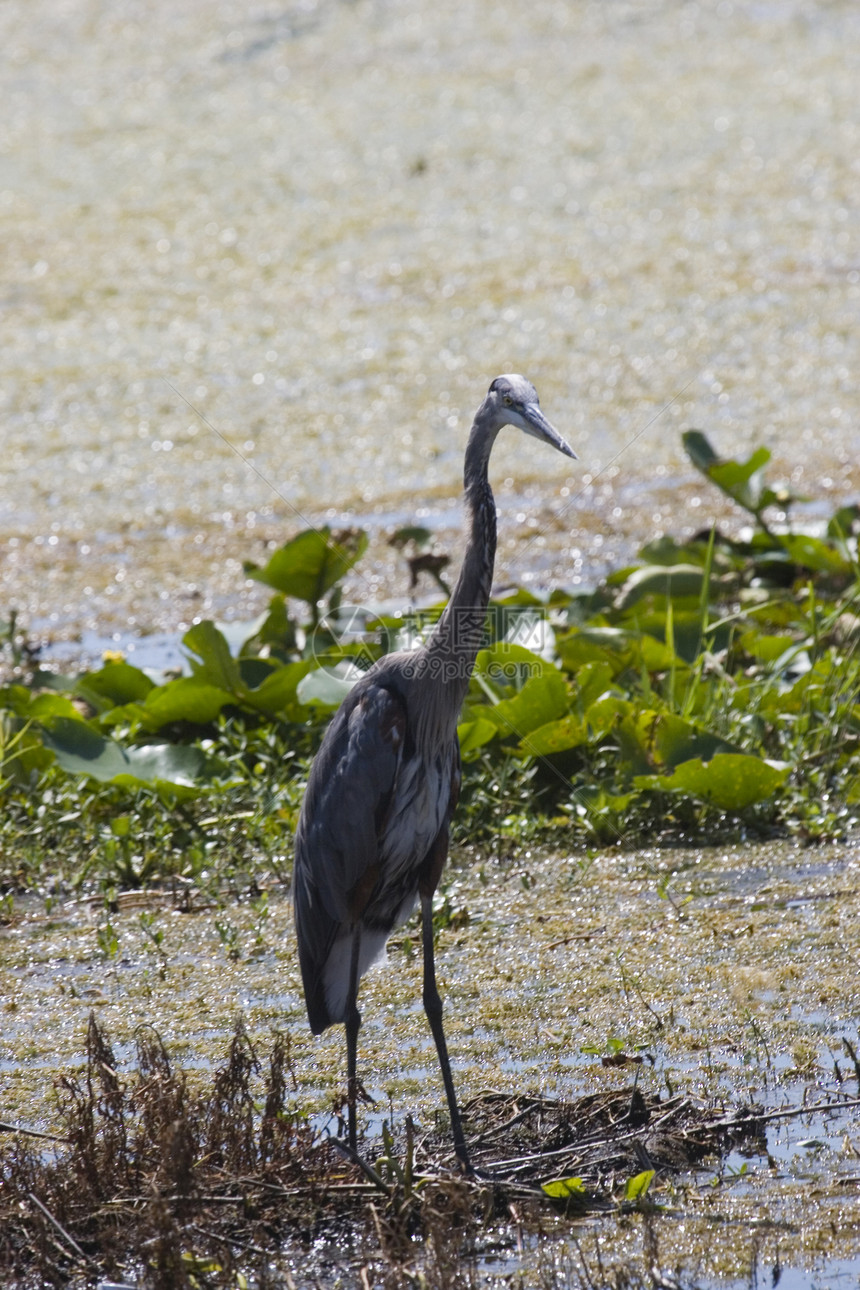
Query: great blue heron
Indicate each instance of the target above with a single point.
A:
(373, 830)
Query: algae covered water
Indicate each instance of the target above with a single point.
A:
(258, 268)
(729, 975)
(260, 265)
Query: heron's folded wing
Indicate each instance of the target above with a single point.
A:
(349, 791)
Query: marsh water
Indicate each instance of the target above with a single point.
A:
(259, 264)
(733, 973)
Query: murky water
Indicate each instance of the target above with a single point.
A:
(259, 265)
(741, 990)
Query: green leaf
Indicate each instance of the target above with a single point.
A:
(667, 550)
(651, 651)
(308, 566)
(326, 687)
(729, 781)
(568, 1194)
(673, 581)
(58, 681)
(645, 644)
(411, 533)
(592, 645)
(652, 740)
(113, 685)
(45, 707)
(638, 1185)
(80, 750)
(765, 648)
(842, 521)
(188, 698)
(738, 480)
(519, 597)
(592, 682)
(278, 692)
(475, 732)
(606, 713)
(254, 671)
(213, 662)
(507, 664)
(603, 809)
(812, 553)
(698, 448)
(22, 753)
(555, 737)
(273, 629)
(17, 699)
(542, 698)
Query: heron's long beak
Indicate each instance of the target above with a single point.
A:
(536, 424)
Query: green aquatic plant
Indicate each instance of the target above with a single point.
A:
(710, 685)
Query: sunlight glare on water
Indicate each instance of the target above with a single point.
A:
(316, 234)
(739, 993)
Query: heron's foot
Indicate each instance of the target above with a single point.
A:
(357, 1093)
(362, 1094)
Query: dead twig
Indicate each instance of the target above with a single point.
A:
(31, 1133)
(223, 1239)
(365, 1168)
(792, 1111)
(67, 1237)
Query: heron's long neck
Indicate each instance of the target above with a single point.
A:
(459, 633)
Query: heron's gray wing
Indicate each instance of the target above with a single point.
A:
(434, 862)
(337, 862)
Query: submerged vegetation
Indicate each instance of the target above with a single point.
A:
(710, 687)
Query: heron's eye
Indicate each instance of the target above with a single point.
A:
(509, 403)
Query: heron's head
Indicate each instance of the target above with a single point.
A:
(513, 401)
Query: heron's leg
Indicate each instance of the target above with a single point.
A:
(352, 1021)
(433, 1008)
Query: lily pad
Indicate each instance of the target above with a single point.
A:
(211, 659)
(474, 732)
(185, 699)
(113, 685)
(81, 750)
(310, 565)
(740, 480)
(543, 698)
(729, 781)
(327, 687)
(669, 581)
